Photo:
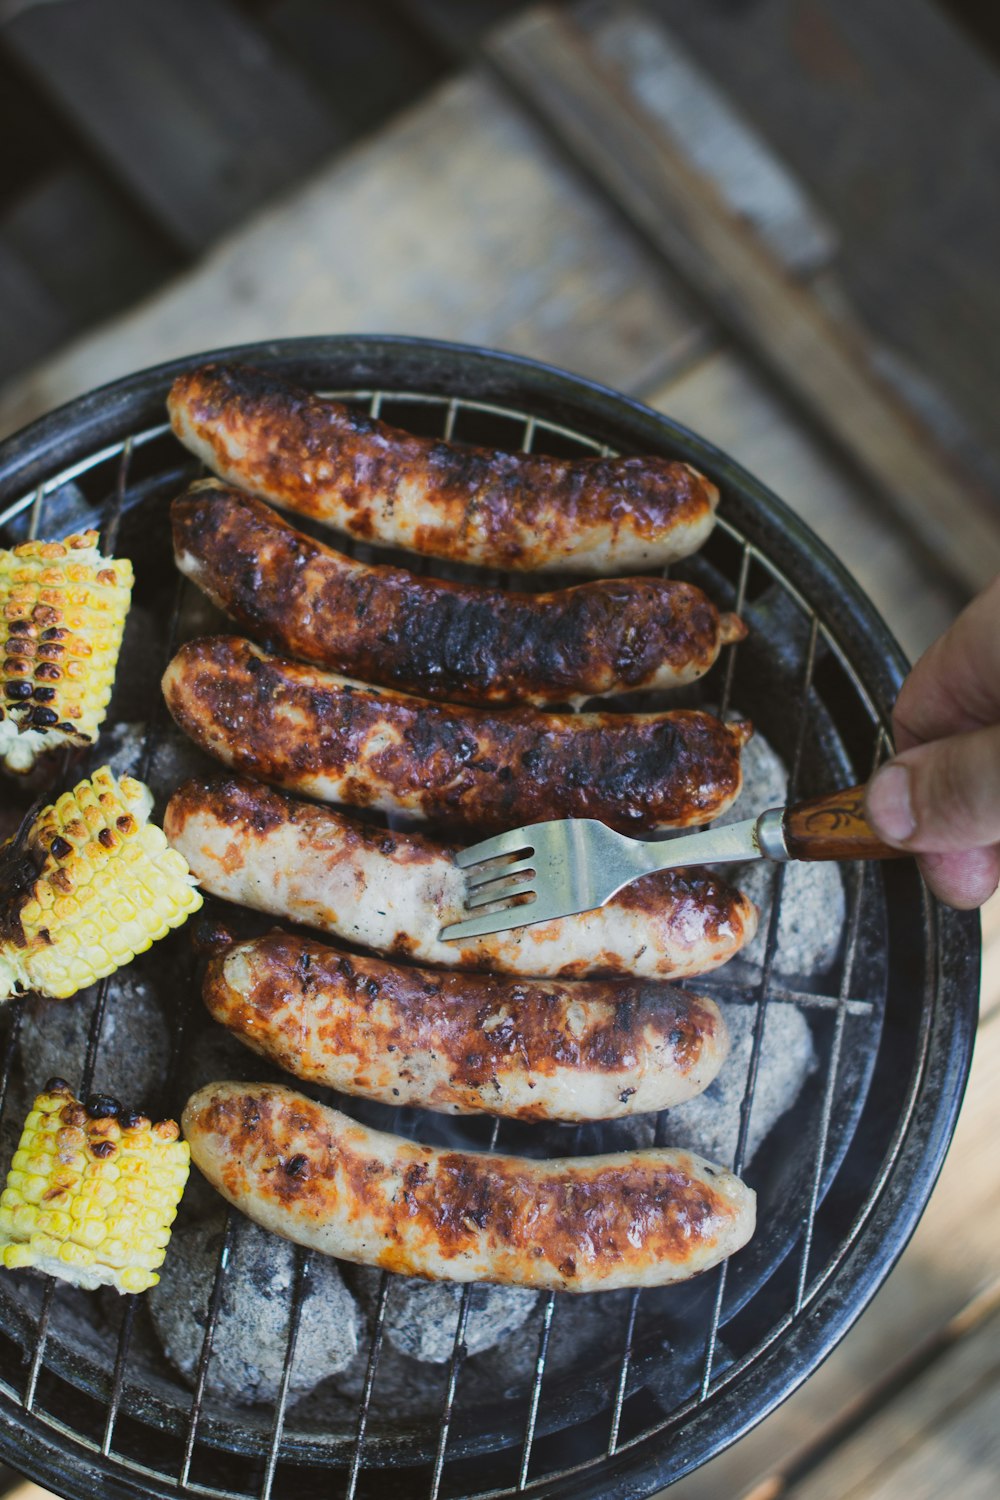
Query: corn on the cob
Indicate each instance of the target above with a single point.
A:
(92, 1192)
(62, 614)
(85, 887)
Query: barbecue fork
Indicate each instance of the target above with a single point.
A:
(570, 865)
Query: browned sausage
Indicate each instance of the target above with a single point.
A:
(463, 1043)
(473, 505)
(394, 892)
(582, 1224)
(482, 769)
(464, 642)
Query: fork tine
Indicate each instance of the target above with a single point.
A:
(516, 841)
(477, 877)
(506, 918)
(488, 895)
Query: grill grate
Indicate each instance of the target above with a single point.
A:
(112, 1418)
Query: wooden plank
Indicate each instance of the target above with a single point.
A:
(718, 141)
(950, 1260)
(728, 402)
(198, 117)
(368, 60)
(85, 244)
(940, 1436)
(892, 116)
(33, 322)
(547, 59)
(458, 221)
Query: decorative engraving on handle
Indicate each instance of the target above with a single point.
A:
(834, 827)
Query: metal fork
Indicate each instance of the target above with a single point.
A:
(570, 865)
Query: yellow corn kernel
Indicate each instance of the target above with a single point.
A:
(108, 886)
(62, 617)
(105, 1218)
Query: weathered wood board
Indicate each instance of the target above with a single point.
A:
(186, 103)
(458, 221)
(892, 114)
(548, 59)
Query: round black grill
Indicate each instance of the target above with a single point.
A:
(88, 1402)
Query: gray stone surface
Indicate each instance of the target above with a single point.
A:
(765, 781)
(709, 1124)
(251, 1335)
(811, 919)
(813, 905)
(422, 1316)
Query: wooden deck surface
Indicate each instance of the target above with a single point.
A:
(462, 221)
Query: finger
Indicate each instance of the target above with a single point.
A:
(940, 798)
(963, 880)
(955, 686)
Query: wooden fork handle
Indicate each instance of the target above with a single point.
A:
(834, 827)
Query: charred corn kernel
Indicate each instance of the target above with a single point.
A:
(68, 915)
(89, 1220)
(62, 615)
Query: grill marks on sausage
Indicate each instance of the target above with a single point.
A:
(454, 1041)
(507, 510)
(253, 811)
(393, 892)
(317, 733)
(554, 1221)
(464, 642)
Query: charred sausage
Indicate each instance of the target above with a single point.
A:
(472, 505)
(466, 1043)
(460, 641)
(584, 1224)
(467, 768)
(394, 892)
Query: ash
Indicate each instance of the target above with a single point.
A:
(421, 1317)
(134, 1042)
(813, 905)
(710, 1123)
(251, 1334)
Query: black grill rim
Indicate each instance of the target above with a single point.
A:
(951, 1003)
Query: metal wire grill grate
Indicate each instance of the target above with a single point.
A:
(354, 1464)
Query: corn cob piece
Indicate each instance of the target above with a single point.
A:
(92, 1192)
(62, 615)
(86, 886)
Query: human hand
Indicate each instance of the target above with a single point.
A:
(939, 798)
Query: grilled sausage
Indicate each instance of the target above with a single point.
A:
(468, 768)
(394, 892)
(584, 1224)
(472, 505)
(463, 642)
(466, 1043)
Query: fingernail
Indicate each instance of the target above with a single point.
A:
(889, 807)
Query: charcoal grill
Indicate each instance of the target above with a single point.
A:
(842, 1180)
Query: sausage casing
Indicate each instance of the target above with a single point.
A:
(464, 642)
(471, 505)
(481, 769)
(394, 892)
(466, 1043)
(584, 1224)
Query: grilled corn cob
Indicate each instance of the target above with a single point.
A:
(86, 886)
(62, 614)
(92, 1192)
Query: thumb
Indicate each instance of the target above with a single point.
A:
(942, 797)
